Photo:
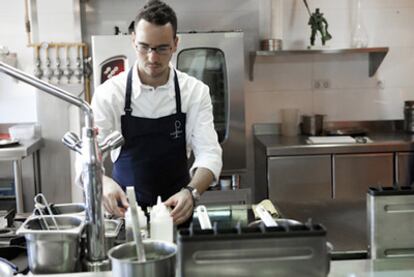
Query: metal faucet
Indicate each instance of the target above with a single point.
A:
(92, 166)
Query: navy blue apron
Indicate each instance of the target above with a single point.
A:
(153, 158)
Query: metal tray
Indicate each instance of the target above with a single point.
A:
(8, 142)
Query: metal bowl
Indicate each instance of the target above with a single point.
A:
(160, 262)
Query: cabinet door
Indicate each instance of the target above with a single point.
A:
(346, 219)
(405, 173)
(299, 179)
(355, 173)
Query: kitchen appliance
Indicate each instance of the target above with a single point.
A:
(409, 116)
(216, 58)
(390, 213)
(285, 251)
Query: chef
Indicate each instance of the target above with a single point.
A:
(163, 114)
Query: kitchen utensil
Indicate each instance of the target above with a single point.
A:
(290, 121)
(41, 203)
(53, 251)
(160, 261)
(312, 124)
(331, 140)
(279, 222)
(6, 270)
(346, 131)
(16, 256)
(135, 224)
(112, 229)
(271, 44)
(203, 217)
(22, 132)
(264, 215)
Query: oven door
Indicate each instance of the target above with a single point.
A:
(217, 59)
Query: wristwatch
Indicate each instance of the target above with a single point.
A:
(194, 193)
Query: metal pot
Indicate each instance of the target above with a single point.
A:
(312, 124)
(161, 259)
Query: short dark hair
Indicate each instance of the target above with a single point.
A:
(159, 13)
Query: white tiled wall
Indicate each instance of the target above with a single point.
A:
(352, 95)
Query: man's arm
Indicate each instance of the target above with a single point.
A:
(182, 201)
(207, 152)
(114, 198)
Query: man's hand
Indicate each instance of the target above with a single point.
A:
(112, 195)
(182, 202)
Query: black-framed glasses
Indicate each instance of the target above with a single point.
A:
(160, 50)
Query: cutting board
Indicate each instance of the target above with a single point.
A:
(331, 140)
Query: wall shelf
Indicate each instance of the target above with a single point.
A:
(376, 56)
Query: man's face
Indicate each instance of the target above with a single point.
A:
(154, 46)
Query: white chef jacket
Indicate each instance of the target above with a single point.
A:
(109, 100)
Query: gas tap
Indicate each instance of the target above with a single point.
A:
(58, 72)
(68, 72)
(38, 72)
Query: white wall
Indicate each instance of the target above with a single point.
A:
(22, 103)
(17, 100)
(288, 82)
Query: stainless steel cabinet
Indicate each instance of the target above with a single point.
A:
(355, 173)
(299, 179)
(346, 218)
(405, 168)
(330, 189)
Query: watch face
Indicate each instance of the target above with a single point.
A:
(196, 194)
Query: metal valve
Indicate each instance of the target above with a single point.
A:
(72, 141)
(114, 140)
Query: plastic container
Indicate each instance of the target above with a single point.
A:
(161, 223)
(129, 236)
(22, 132)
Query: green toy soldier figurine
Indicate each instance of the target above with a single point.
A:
(318, 23)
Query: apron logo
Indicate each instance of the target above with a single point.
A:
(177, 132)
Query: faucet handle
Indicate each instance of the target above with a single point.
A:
(72, 141)
(112, 141)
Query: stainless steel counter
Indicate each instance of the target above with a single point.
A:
(275, 145)
(328, 182)
(16, 154)
(352, 268)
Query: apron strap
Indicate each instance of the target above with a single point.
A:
(127, 107)
(177, 93)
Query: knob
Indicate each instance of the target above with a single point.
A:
(72, 141)
(114, 140)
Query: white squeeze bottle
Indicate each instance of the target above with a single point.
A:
(142, 224)
(161, 223)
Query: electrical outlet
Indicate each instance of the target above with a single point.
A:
(321, 84)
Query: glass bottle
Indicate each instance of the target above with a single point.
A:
(359, 34)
